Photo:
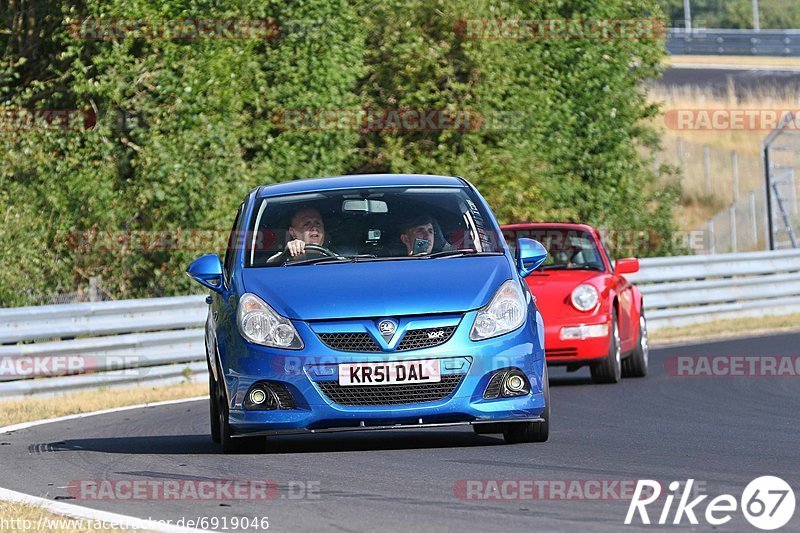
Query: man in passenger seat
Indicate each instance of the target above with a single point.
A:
(420, 227)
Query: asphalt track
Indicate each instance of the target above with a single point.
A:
(721, 431)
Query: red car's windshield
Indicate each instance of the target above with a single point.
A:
(567, 249)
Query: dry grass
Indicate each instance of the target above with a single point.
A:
(727, 328)
(17, 516)
(744, 61)
(702, 198)
(23, 410)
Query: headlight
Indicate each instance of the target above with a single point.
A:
(585, 297)
(506, 312)
(260, 324)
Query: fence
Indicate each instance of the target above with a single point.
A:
(161, 339)
(733, 42)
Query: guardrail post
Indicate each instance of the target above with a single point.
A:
(94, 292)
(793, 186)
(753, 219)
(735, 167)
(732, 212)
(712, 245)
(707, 166)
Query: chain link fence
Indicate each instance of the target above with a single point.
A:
(781, 155)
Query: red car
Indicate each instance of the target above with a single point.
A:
(592, 314)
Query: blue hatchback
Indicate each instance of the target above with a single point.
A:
(372, 302)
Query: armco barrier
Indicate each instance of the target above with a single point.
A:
(702, 41)
(679, 291)
(161, 340)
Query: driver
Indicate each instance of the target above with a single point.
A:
(420, 227)
(306, 228)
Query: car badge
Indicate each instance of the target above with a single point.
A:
(387, 329)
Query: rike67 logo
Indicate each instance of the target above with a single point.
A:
(767, 503)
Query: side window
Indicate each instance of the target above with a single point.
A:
(233, 241)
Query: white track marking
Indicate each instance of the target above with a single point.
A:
(76, 511)
(32, 423)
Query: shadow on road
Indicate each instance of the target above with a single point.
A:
(322, 443)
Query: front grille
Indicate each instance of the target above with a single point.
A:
(425, 338)
(350, 342)
(391, 394)
(562, 352)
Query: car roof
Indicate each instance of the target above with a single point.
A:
(357, 181)
(543, 225)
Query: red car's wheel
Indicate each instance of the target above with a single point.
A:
(609, 370)
(635, 365)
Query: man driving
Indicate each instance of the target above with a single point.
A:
(420, 227)
(306, 228)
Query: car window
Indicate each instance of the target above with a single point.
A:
(370, 224)
(233, 241)
(567, 249)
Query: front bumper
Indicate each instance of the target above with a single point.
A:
(570, 351)
(302, 372)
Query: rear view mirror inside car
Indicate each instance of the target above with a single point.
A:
(365, 206)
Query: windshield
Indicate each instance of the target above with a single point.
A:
(369, 224)
(567, 249)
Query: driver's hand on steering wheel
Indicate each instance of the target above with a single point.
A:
(296, 247)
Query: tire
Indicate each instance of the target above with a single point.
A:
(635, 365)
(514, 433)
(231, 444)
(609, 370)
(213, 404)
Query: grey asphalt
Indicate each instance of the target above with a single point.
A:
(744, 81)
(722, 432)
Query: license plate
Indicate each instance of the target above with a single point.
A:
(390, 372)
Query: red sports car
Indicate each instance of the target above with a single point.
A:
(592, 314)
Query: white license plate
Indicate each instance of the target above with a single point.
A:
(390, 372)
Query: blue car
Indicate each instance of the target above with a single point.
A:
(372, 302)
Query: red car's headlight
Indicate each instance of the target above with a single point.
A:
(584, 297)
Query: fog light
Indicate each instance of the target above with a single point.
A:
(257, 396)
(515, 383)
(583, 332)
(268, 396)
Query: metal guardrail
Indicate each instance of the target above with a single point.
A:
(733, 42)
(680, 291)
(161, 340)
(101, 344)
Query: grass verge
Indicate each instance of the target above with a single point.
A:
(749, 61)
(23, 410)
(26, 517)
(726, 329)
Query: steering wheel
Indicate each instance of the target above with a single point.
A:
(310, 248)
(320, 249)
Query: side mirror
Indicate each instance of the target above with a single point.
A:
(207, 271)
(530, 255)
(626, 266)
